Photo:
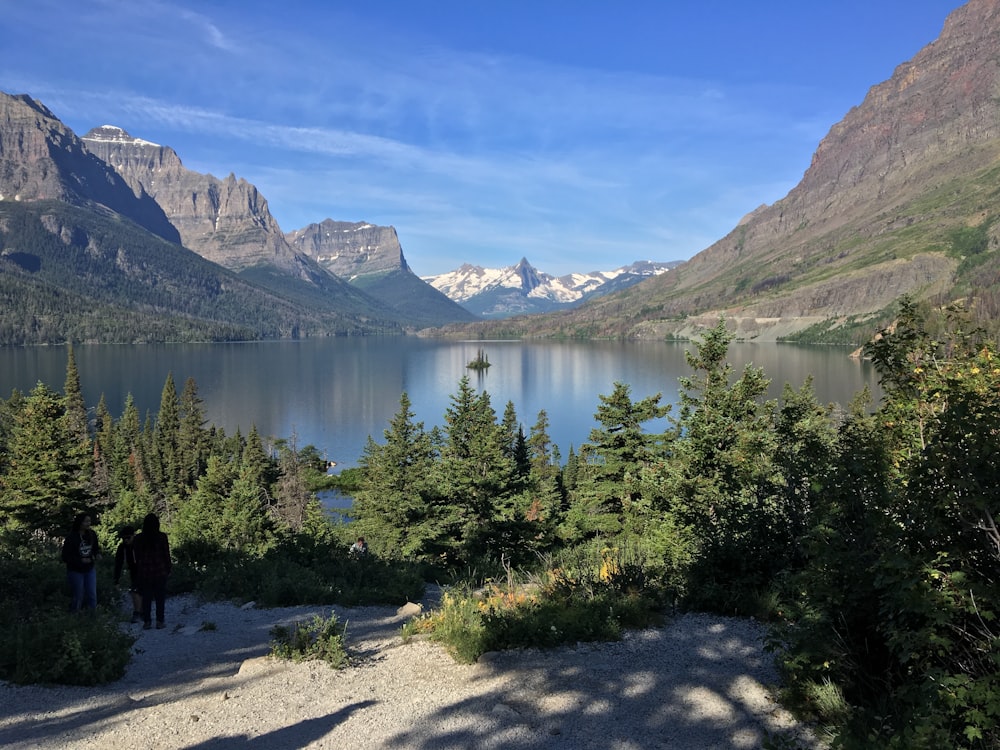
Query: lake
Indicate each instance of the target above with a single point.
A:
(333, 393)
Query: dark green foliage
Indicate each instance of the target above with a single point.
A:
(896, 607)
(317, 639)
(59, 647)
(606, 487)
(966, 241)
(46, 481)
(43, 642)
(394, 506)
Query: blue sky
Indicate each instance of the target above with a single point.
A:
(580, 134)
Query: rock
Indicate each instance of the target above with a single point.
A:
(409, 610)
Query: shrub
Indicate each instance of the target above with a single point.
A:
(64, 648)
(317, 639)
(589, 604)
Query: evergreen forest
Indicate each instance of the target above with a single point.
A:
(865, 536)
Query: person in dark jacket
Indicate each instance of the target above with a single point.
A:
(80, 552)
(125, 558)
(153, 564)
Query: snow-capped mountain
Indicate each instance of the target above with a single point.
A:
(522, 289)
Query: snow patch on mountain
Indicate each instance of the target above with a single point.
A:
(521, 288)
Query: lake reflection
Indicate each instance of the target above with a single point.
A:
(334, 393)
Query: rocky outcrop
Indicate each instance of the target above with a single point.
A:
(935, 119)
(350, 249)
(226, 221)
(371, 258)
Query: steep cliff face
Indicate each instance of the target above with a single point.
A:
(226, 221)
(371, 258)
(350, 249)
(42, 159)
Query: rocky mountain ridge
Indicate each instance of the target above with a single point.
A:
(42, 159)
(523, 289)
(85, 256)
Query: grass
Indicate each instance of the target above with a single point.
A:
(559, 607)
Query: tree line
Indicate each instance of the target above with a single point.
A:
(865, 535)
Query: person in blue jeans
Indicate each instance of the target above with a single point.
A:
(80, 552)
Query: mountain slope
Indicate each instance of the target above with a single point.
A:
(79, 259)
(371, 258)
(886, 208)
(69, 273)
(523, 289)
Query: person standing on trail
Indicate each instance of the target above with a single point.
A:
(153, 564)
(125, 558)
(80, 552)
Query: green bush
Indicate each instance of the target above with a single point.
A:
(65, 648)
(565, 607)
(317, 639)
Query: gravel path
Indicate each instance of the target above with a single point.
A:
(699, 682)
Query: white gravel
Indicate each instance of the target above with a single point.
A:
(699, 682)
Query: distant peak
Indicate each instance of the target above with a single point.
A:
(114, 134)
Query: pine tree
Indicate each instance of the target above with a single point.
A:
(165, 456)
(292, 495)
(722, 480)
(393, 508)
(200, 519)
(542, 506)
(476, 474)
(255, 464)
(607, 480)
(103, 453)
(75, 423)
(192, 442)
(42, 488)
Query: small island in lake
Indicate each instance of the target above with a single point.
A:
(481, 362)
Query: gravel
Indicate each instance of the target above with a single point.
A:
(206, 681)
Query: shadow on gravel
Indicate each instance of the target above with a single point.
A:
(691, 685)
(288, 738)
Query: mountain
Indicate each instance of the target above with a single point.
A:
(900, 198)
(42, 159)
(85, 256)
(226, 221)
(522, 289)
(371, 258)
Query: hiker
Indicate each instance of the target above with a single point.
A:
(359, 548)
(153, 564)
(80, 552)
(125, 558)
